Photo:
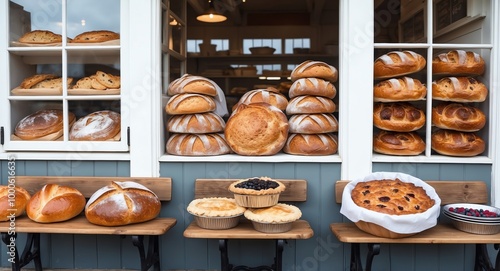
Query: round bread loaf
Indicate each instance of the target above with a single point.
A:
(312, 86)
(122, 203)
(13, 201)
(309, 104)
(398, 63)
(311, 144)
(192, 84)
(458, 62)
(459, 117)
(399, 89)
(43, 123)
(265, 96)
(204, 123)
(197, 144)
(313, 124)
(256, 129)
(95, 36)
(455, 143)
(55, 203)
(96, 126)
(189, 103)
(316, 69)
(398, 143)
(40, 37)
(459, 89)
(398, 117)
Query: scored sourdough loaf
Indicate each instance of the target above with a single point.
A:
(204, 123)
(96, 126)
(197, 144)
(192, 84)
(256, 129)
(13, 201)
(312, 86)
(398, 143)
(42, 123)
(309, 104)
(264, 96)
(399, 89)
(398, 117)
(458, 62)
(316, 69)
(40, 37)
(29, 82)
(455, 143)
(313, 123)
(95, 36)
(311, 144)
(459, 117)
(459, 89)
(398, 63)
(190, 103)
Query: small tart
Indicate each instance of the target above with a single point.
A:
(279, 213)
(215, 207)
(275, 187)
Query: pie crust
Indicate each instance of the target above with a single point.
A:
(277, 214)
(247, 191)
(215, 207)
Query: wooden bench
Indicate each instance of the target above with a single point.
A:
(79, 225)
(443, 233)
(296, 190)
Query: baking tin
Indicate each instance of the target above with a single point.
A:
(217, 223)
(272, 227)
(256, 201)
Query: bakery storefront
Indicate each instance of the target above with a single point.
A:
(310, 90)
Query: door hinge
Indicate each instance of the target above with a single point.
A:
(128, 136)
(1, 135)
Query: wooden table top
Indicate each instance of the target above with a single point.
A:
(300, 230)
(440, 234)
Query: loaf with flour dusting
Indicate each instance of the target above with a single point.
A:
(309, 104)
(312, 86)
(192, 84)
(203, 123)
(190, 103)
(316, 69)
(399, 89)
(97, 126)
(459, 89)
(313, 123)
(458, 62)
(197, 144)
(311, 144)
(45, 124)
(397, 63)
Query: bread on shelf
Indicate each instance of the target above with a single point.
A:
(458, 116)
(315, 69)
(455, 143)
(398, 117)
(399, 89)
(398, 143)
(197, 144)
(458, 62)
(398, 63)
(463, 89)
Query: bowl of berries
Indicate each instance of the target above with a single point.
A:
(473, 218)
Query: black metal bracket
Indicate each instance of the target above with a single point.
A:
(276, 266)
(482, 261)
(152, 258)
(128, 136)
(30, 253)
(2, 138)
(355, 264)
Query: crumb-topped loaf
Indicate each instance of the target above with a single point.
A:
(257, 186)
(393, 197)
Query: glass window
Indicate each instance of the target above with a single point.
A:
(193, 46)
(274, 43)
(290, 44)
(222, 44)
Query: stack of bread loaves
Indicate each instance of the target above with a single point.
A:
(310, 109)
(393, 113)
(194, 126)
(453, 114)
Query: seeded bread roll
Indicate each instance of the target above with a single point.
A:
(459, 89)
(398, 117)
(311, 144)
(459, 117)
(96, 126)
(196, 123)
(13, 201)
(43, 123)
(398, 143)
(192, 84)
(189, 103)
(197, 144)
(95, 36)
(455, 143)
(399, 89)
(398, 63)
(309, 104)
(264, 96)
(313, 124)
(316, 69)
(29, 82)
(40, 37)
(458, 62)
(312, 86)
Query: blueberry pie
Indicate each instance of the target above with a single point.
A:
(257, 192)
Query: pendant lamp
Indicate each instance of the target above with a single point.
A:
(211, 15)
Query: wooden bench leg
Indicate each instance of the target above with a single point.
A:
(152, 258)
(226, 266)
(482, 261)
(30, 253)
(355, 264)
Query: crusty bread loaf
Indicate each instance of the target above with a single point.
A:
(398, 117)
(13, 201)
(55, 203)
(398, 63)
(311, 144)
(95, 36)
(122, 203)
(459, 117)
(316, 69)
(40, 37)
(96, 126)
(189, 103)
(41, 123)
(455, 143)
(256, 129)
(312, 86)
(204, 123)
(399, 89)
(108, 80)
(313, 124)
(192, 84)
(459, 89)
(197, 144)
(264, 96)
(309, 104)
(458, 62)
(398, 143)
(29, 82)
(55, 83)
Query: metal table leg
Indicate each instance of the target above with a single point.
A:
(30, 253)
(482, 259)
(152, 258)
(355, 258)
(276, 266)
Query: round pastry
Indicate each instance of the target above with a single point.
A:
(399, 89)
(399, 117)
(197, 144)
(256, 129)
(459, 89)
(274, 219)
(458, 62)
(189, 103)
(398, 63)
(309, 104)
(215, 207)
(46, 123)
(392, 197)
(455, 143)
(257, 186)
(316, 69)
(55, 203)
(311, 144)
(192, 84)
(398, 143)
(196, 123)
(97, 126)
(13, 201)
(122, 203)
(459, 117)
(313, 124)
(264, 96)
(312, 86)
